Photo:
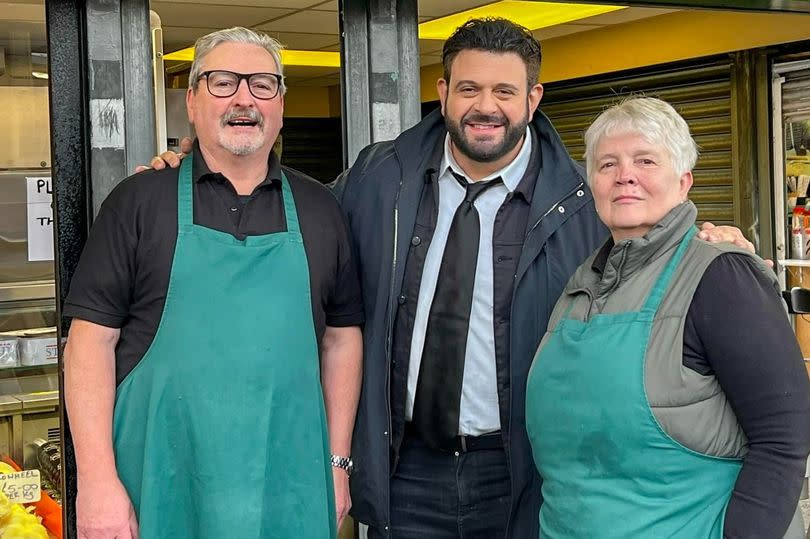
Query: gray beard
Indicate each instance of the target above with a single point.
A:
(245, 148)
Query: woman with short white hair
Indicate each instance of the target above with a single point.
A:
(668, 397)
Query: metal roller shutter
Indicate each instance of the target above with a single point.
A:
(703, 95)
(796, 96)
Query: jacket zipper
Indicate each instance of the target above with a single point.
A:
(390, 329)
(512, 310)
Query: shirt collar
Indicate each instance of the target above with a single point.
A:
(600, 260)
(511, 174)
(200, 171)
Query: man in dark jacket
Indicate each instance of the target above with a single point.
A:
(536, 226)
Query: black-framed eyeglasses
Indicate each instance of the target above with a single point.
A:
(223, 83)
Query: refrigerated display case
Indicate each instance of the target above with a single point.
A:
(30, 434)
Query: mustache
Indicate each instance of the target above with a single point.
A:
(239, 112)
(476, 118)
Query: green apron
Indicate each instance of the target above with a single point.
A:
(220, 430)
(608, 468)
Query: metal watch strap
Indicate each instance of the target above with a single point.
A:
(344, 463)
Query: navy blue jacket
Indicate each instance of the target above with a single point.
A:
(380, 195)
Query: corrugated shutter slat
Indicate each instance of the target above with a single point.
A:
(701, 94)
(796, 96)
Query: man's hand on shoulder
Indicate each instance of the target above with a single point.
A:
(724, 234)
(727, 234)
(171, 159)
(104, 510)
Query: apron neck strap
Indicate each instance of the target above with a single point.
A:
(289, 206)
(185, 198)
(185, 193)
(661, 285)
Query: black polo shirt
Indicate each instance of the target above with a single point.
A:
(123, 274)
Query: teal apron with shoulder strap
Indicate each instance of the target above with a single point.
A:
(220, 430)
(608, 468)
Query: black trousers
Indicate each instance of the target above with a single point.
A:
(443, 495)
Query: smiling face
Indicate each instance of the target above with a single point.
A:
(634, 184)
(486, 106)
(240, 124)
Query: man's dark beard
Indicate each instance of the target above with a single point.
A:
(512, 135)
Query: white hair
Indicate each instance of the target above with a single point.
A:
(655, 120)
(237, 34)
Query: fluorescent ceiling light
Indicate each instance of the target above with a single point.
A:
(310, 58)
(288, 57)
(532, 15)
(39, 75)
(183, 55)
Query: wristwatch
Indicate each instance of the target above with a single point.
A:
(344, 463)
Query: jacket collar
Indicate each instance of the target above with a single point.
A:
(616, 262)
(559, 174)
(430, 132)
(201, 173)
(411, 145)
(557, 178)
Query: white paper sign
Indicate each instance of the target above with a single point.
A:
(40, 219)
(22, 487)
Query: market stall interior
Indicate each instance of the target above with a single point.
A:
(29, 398)
(708, 79)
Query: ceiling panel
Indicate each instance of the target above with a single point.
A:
(625, 15)
(440, 8)
(331, 5)
(175, 38)
(331, 80)
(563, 30)
(292, 40)
(316, 28)
(319, 22)
(289, 4)
(298, 72)
(206, 16)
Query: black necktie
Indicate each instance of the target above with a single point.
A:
(438, 389)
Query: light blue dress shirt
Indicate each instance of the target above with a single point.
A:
(479, 413)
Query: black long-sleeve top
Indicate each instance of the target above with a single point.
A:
(735, 330)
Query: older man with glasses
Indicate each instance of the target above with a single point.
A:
(213, 365)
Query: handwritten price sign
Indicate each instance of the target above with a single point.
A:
(21, 487)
